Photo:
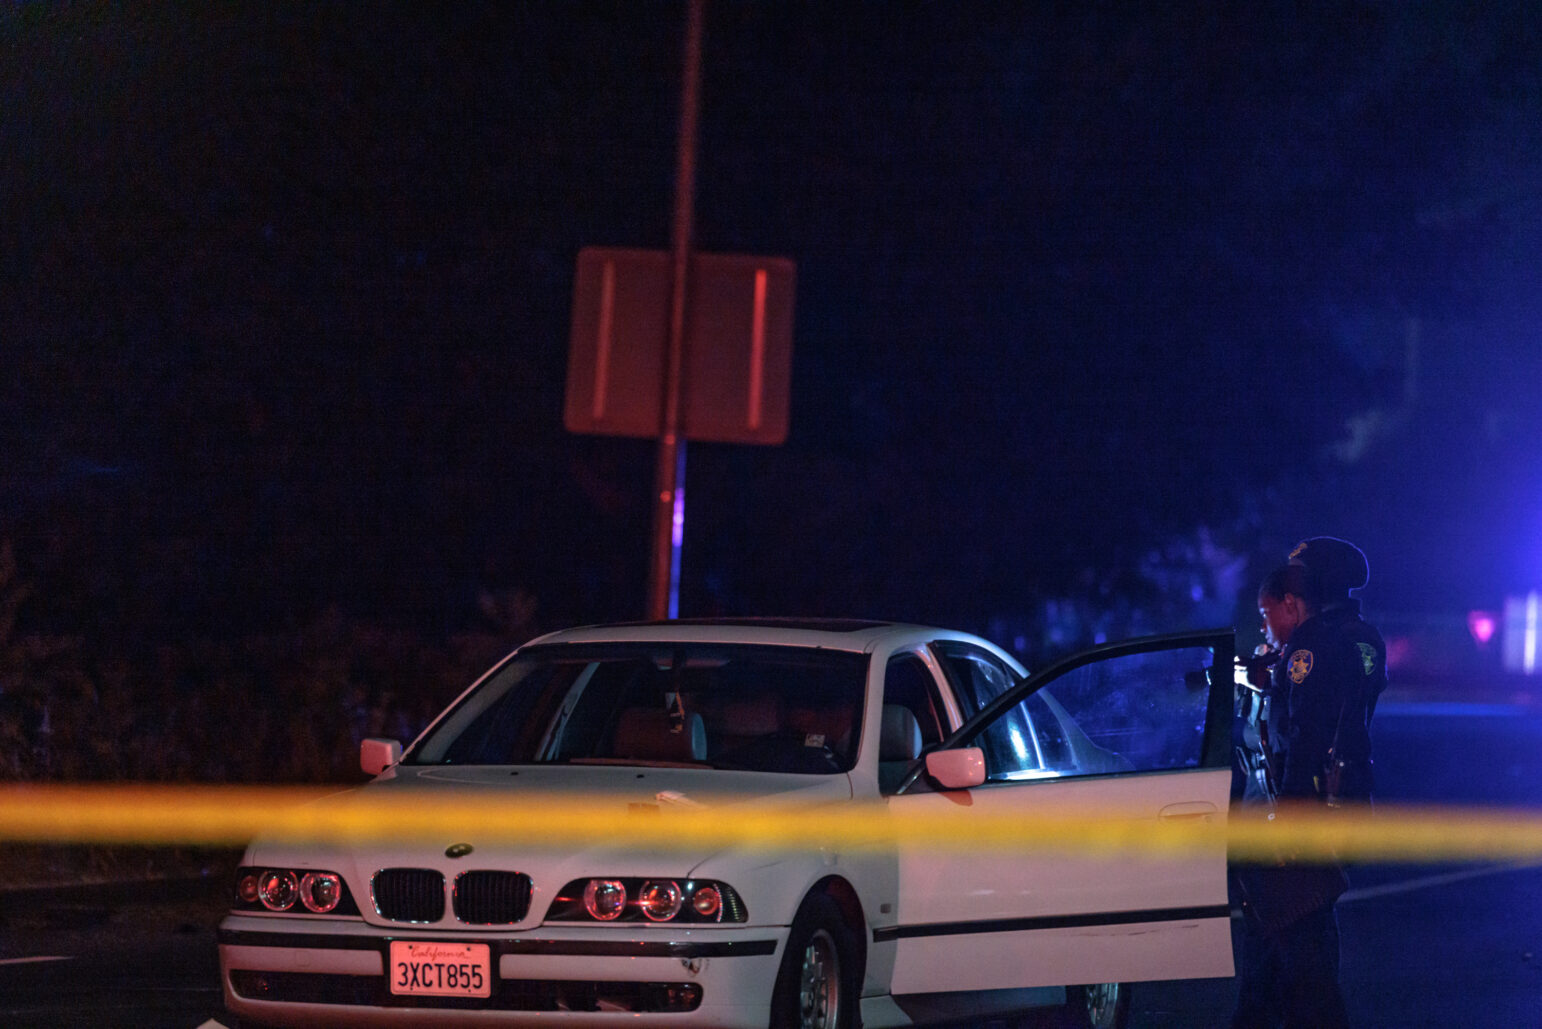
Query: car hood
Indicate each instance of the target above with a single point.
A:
(551, 863)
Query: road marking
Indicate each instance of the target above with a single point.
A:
(1428, 882)
(37, 960)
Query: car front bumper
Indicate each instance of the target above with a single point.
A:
(324, 972)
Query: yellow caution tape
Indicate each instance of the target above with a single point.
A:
(231, 815)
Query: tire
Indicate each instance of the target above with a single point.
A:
(818, 983)
(1105, 1006)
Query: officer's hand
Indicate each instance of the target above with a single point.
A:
(1258, 666)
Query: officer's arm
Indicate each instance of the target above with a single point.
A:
(1315, 703)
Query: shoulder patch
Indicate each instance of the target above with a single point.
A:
(1300, 666)
(1367, 657)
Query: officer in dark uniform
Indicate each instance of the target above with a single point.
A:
(1340, 569)
(1328, 668)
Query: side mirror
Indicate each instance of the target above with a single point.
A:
(375, 755)
(957, 769)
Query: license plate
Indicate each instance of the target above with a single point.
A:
(441, 969)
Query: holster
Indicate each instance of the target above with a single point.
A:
(1346, 781)
(1277, 896)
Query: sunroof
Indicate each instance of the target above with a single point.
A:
(812, 624)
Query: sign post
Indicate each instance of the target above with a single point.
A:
(679, 346)
(669, 475)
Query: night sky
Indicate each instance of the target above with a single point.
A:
(1095, 300)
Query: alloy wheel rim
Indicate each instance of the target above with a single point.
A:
(819, 990)
(1102, 1004)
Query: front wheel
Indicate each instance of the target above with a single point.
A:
(1104, 1006)
(816, 986)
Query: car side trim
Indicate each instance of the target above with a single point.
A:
(1012, 925)
(575, 948)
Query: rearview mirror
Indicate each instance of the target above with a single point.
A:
(376, 755)
(957, 769)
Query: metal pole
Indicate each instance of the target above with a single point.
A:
(669, 509)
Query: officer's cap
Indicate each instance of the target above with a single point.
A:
(1339, 565)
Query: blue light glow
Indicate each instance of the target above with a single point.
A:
(1522, 622)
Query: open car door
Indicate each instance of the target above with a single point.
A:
(1141, 728)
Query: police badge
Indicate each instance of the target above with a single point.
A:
(1300, 666)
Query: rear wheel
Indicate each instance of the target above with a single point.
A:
(816, 986)
(1104, 1006)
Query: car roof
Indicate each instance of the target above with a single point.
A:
(848, 634)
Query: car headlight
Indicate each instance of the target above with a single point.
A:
(707, 902)
(320, 892)
(660, 899)
(647, 900)
(605, 899)
(278, 890)
(296, 890)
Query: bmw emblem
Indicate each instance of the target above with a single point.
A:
(457, 850)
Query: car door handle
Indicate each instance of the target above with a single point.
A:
(1188, 809)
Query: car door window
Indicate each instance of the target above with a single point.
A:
(1013, 749)
(908, 686)
(1141, 712)
(977, 676)
(1132, 712)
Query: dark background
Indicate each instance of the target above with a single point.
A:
(1100, 308)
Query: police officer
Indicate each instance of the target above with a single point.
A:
(1317, 751)
(1341, 569)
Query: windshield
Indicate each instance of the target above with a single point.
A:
(760, 708)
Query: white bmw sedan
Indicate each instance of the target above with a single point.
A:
(734, 716)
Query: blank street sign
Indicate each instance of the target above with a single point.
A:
(738, 346)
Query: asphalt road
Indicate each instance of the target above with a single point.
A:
(107, 959)
(1442, 945)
